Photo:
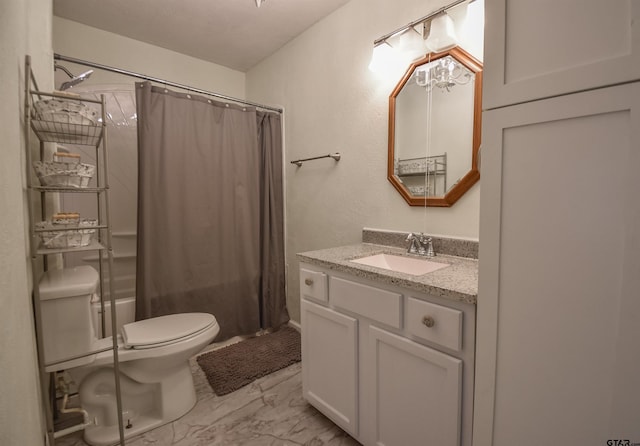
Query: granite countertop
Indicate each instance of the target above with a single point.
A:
(458, 282)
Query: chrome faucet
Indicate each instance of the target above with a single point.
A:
(420, 245)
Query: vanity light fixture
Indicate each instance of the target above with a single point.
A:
(442, 35)
(411, 44)
(437, 25)
(260, 2)
(382, 55)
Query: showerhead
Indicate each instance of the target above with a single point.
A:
(75, 80)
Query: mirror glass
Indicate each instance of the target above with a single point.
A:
(434, 128)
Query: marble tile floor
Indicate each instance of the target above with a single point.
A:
(268, 412)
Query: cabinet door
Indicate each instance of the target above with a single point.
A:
(557, 357)
(544, 48)
(329, 364)
(416, 392)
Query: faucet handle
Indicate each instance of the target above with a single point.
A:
(430, 252)
(413, 241)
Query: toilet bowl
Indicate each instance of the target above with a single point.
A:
(156, 384)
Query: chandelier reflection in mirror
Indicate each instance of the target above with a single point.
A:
(444, 73)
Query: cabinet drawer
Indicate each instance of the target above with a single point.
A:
(313, 285)
(435, 323)
(373, 303)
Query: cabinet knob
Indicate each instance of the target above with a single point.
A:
(428, 321)
(308, 282)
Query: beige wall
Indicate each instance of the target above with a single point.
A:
(87, 43)
(334, 103)
(25, 28)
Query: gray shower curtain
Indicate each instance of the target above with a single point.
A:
(210, 211)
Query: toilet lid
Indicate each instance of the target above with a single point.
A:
(164, 329)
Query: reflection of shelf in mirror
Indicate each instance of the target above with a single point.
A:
(420, 191)
(422, 174)
(436, 164)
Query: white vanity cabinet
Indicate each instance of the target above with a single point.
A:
(390, 366)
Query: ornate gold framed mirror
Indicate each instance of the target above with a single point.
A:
(435, 115)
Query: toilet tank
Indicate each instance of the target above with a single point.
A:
(125, 314)
(65, 296)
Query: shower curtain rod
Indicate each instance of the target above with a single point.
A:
(161, 81)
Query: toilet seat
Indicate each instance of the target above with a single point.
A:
(164, 330)
(162, 338)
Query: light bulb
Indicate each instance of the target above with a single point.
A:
(411, 44)
(382, 55)
(442, 35)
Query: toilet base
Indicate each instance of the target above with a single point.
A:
(109, 435)
(145, 406)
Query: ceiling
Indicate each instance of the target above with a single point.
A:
(233, 33)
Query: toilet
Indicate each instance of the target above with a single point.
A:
(156, 384)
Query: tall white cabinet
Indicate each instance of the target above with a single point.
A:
(558, 358)
(544, 48)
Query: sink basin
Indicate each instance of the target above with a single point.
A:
(401, 264)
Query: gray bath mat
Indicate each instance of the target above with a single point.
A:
(237, 365)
